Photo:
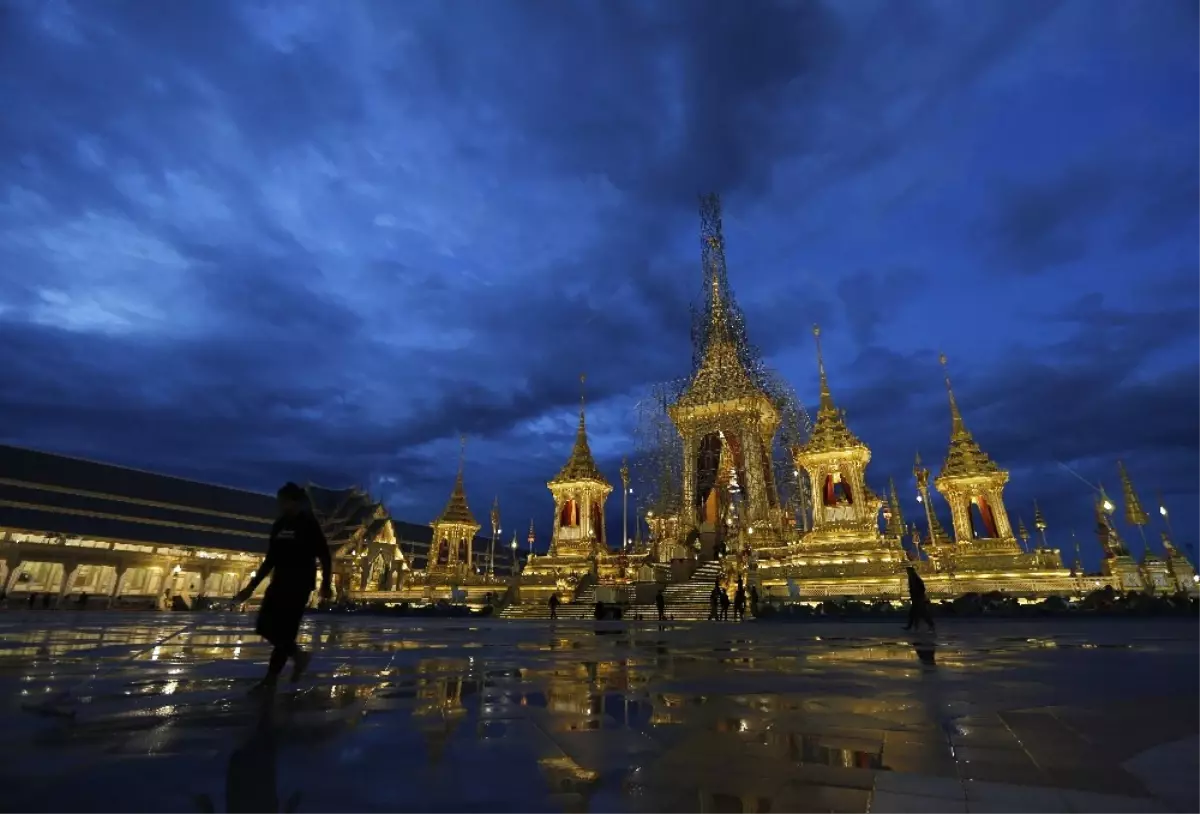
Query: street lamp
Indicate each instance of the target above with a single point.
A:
(625, 490)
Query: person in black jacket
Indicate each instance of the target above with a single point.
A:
(918, 607)
(297, 543)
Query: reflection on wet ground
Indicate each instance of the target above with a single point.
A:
(453, 716)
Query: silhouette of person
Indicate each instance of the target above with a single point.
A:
(553, 603)
(714, 599)
(739, 601)
(918, 602)
(296, 544)
(251, 781)
(754, 600)
(660, 603)
(724, 605)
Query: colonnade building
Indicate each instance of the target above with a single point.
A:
(74, 531)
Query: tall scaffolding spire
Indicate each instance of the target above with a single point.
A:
(720, 315)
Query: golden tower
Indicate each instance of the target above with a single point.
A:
(835, 461)
(578, 543)
(1118, 566)
(724, 417)
(579, 491)
(1156, 575)
(451, 550)
(985, 555)
(972, 484)
(844, 553)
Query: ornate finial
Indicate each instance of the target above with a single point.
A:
(1022, 532)
(956, 418)
(531, 535)
(895, 523)
(624, 473)
(1039, 519)
(821, 364)
(920, 472)
(496, 513)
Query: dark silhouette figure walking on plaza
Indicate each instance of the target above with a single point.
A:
(553, 603)
(918, 602)
(297, 542)
(714, 600)
(754, 600)
(739, 601)
(724, 605)
(660, 603)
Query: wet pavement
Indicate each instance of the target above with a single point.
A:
(420, 715)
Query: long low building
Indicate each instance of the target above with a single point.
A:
(78, 531)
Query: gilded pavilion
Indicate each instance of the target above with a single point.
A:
(578, 558)
(452, 572)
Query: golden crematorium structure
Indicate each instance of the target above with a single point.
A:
(723, 519)
(744, 490)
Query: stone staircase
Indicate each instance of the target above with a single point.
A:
(583, 606)
(686, 601)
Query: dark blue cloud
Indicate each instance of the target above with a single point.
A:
(281, 240)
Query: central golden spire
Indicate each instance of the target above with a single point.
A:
(581, 465)
(964, 459)
(830, 432)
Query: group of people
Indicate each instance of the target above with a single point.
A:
(719, 602)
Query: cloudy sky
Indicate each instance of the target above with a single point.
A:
(254, 241)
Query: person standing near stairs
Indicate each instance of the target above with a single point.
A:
(714, 599)
(739, 601)
(660, 604)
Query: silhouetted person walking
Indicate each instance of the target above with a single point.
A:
(660, 603)
(918, 602)
(553, 603)
(724, 605)
(714, 600)
(739, 601)
(754, 600)
(297, 542)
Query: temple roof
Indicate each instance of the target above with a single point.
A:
(457, 510)
(964, 458)
(581, 466)
(830, 433)
(721, 375)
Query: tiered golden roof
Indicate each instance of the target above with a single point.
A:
(830, 433)
(722, 376)
(964, 459)
(581, 466)
(457, 511)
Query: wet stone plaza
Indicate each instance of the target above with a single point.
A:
(408, 715)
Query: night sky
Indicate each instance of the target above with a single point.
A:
(248, 242)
